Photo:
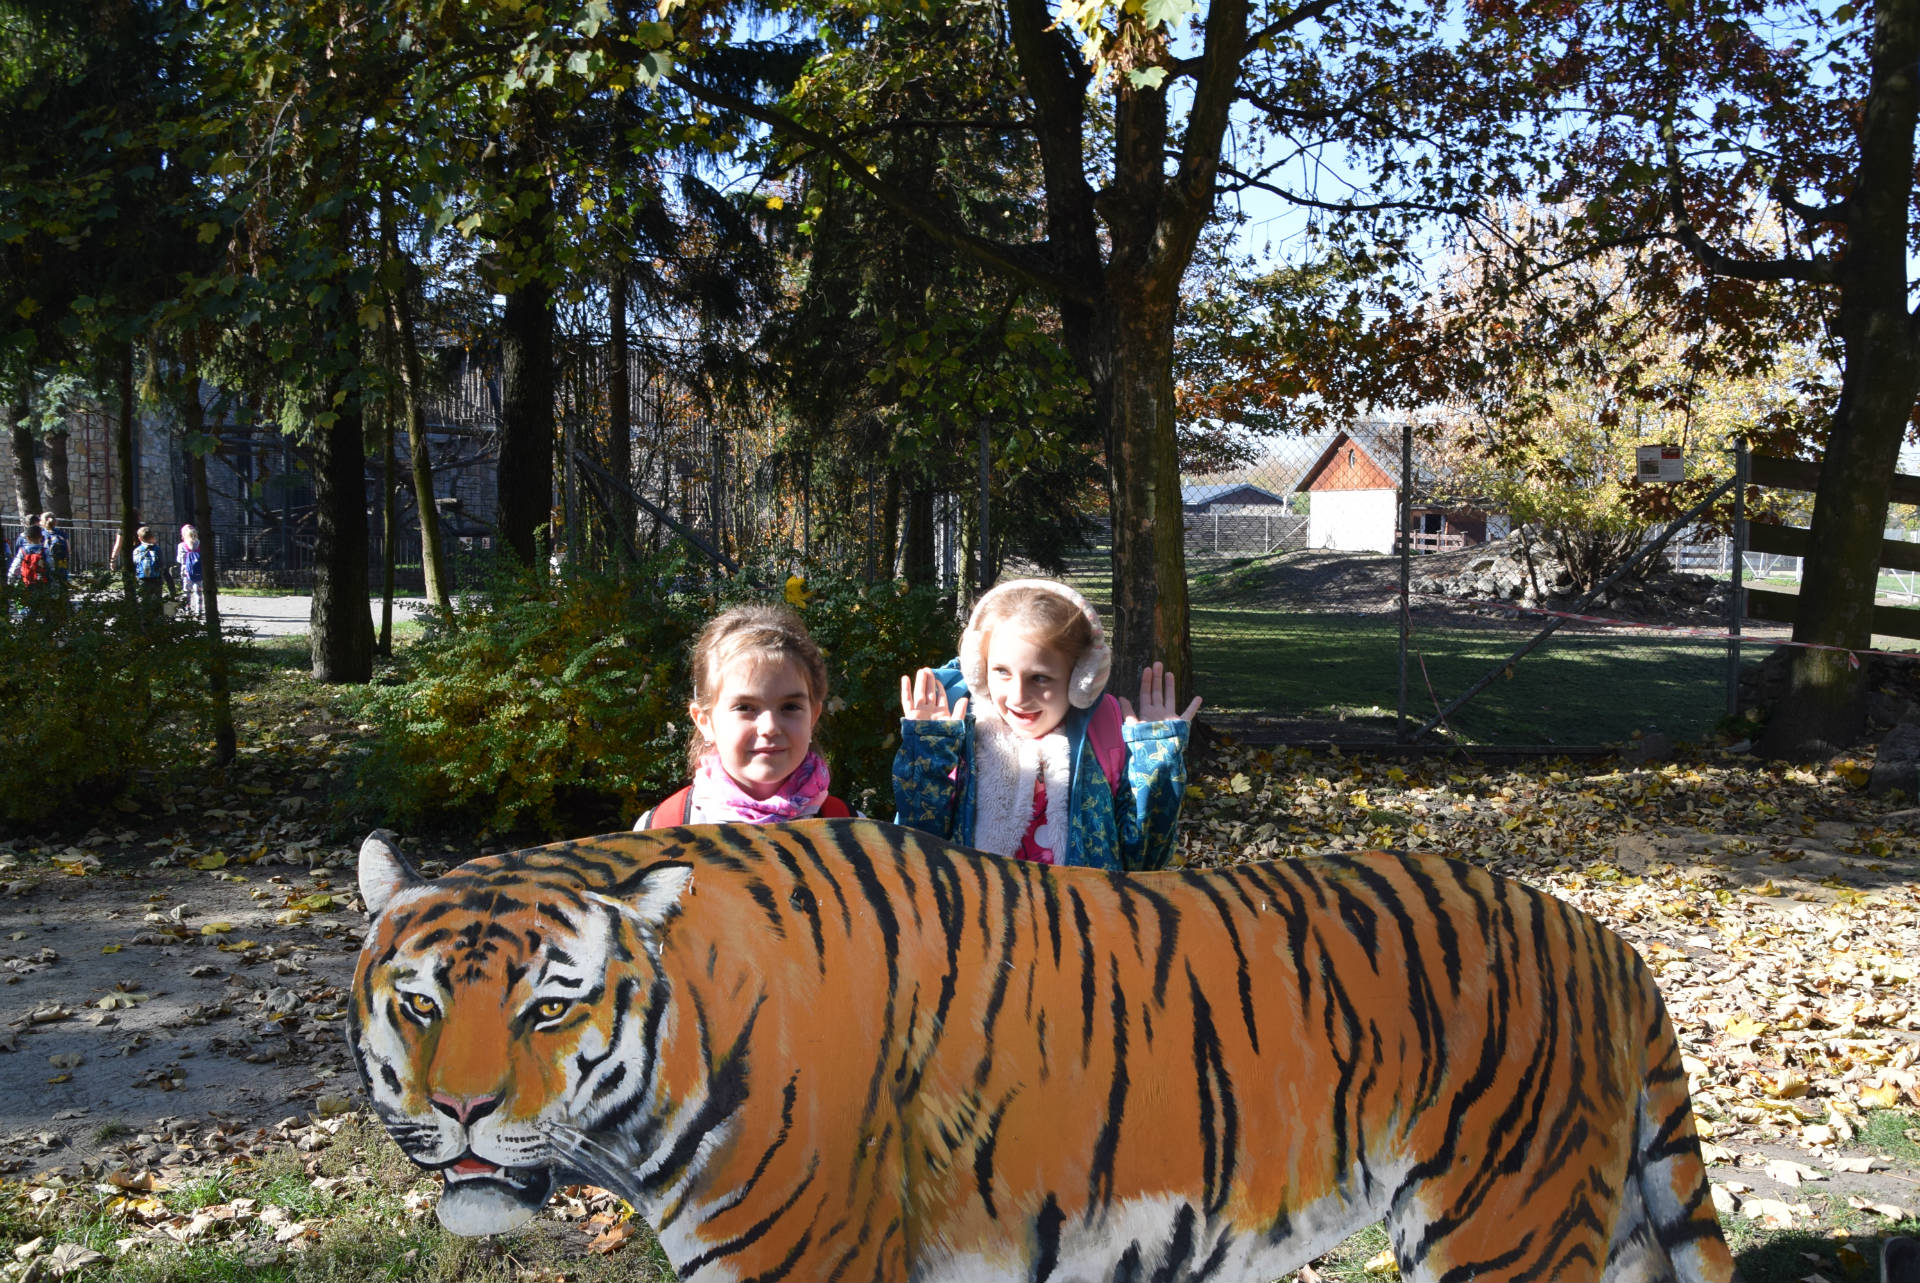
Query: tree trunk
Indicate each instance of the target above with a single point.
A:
(55, 491)
(1143, 482)
(1824, 707)
(921, 569)
(526, 420)
(26, 475)
(526, 360)
(623, 514)
(125, 461)
(400, 317)
(341, 624)
(389, 529)
(193, 415)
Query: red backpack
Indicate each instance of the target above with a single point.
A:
(673, 812)
(33, 565)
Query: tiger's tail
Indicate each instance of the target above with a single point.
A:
(1678, 1235)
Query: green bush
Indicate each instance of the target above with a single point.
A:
(91, 690)
(546, 698)
(559, 703)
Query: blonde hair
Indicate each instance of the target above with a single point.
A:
(1048, 618)
(751, 634)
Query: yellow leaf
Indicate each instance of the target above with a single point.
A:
(109, 948)
(237, 946)
(774, 202)
(61, 1078)
(216, 928)
(1885, 1096)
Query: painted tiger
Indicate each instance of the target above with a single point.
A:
(837, 1049)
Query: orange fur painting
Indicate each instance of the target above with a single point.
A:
(837, 1049)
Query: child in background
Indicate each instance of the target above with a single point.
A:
(148, 573)
(56, 547)
(1049, 767)
(759, 684)
(188, 557)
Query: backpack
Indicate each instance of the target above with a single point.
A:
(673, 812)
(1108, 745)
(33, 565)
(146, 561)
(189, 565)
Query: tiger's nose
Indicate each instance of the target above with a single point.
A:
(465, 1110)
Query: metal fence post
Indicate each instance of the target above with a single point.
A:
(1406, 572)
(1735, 606)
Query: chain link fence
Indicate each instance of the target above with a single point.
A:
(1302, 631)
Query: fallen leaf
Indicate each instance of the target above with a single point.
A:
(70, 1257)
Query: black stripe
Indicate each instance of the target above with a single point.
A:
(1166, 918)
(1106, 1148)
(1046, 1239)
(1002, 966)
(1087, 982)
(1050, 896)
(983, 1156)
(763, 896)
(1243, 976)
(1173, 1263)
(755, 1232)
(787, 1097)
(882, 908)
(726, 1092)
(805, 842)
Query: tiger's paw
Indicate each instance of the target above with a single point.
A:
(480, 1198)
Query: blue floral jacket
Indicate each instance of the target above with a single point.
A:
(933, 787)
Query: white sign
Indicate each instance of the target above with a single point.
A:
(1658, 463)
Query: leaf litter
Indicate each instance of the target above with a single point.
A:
(213, 946)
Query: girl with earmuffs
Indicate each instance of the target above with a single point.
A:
(1049, 767)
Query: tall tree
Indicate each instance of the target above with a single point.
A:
(1127, 110)
(1765, 151)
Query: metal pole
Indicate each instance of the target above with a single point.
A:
(1406, 571)
(986, 526)
(1736, 605)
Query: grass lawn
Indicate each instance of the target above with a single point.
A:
(1574, 689)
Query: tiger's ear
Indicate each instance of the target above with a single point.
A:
(650, 903)
(384, 872)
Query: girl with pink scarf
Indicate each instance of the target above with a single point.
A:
(759, 685)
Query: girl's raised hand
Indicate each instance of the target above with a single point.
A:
(923, 698)
(1157, 697)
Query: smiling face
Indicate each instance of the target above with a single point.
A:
(1027, 682)
(761, 722)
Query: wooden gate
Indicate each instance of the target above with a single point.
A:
(1793, 541)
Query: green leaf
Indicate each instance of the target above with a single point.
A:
(1147, 78)
(655, 66)
(1159, 13)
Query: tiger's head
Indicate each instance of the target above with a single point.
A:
(498, 1016)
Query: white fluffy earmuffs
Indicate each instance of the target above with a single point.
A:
(1090, 671)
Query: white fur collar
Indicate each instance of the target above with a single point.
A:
(1004, 765)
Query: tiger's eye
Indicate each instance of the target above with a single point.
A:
(551, 1008)
(421, 1005)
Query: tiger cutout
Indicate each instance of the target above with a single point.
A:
(840, 1050)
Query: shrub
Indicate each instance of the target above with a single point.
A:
(552, 703)
(92, 691)
(545, 696)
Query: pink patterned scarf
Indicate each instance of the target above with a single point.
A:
(717, 798)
